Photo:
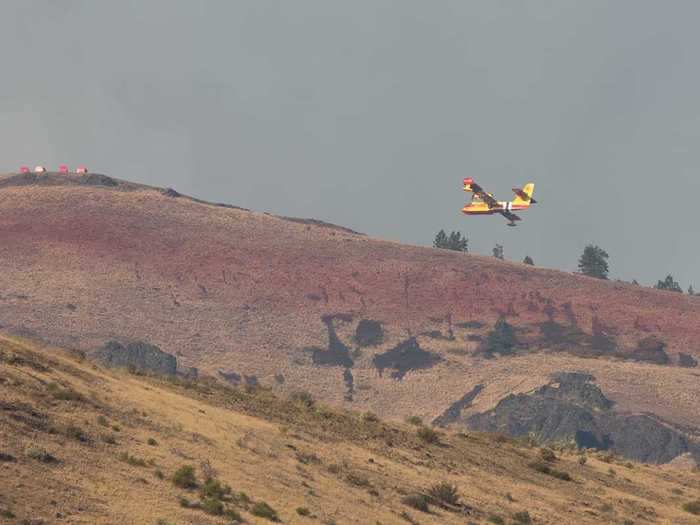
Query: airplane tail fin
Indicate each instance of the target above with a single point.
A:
(523, 197)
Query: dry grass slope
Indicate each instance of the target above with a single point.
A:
(80, 444)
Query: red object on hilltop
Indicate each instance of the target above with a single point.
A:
(63, 168)
(24, 169)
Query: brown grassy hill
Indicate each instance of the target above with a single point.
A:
(87, 259)
(84, 445)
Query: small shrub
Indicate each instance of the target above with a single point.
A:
(407, 517)
(159, 474)
(39, 454)
(414, 420)
(66, 395)
(607, 458)
(263, 510)
(582, 460)
(233, 515)
(109, 439)
(522, 518)
(212, 506)
(496, 520)
(560, 474)
(132, 460)
(428, 435)
(116, 428)
(303, 511)
(370, 417)
(7, 514)
(544, 468)
(152, 442)
(357, 479)
(303, 398)
(75, 432)
(213, 489)
(308, 458)
(547, 454)
(693, 507)
(102, 421)
(444, 493)
(185, 478)
(185, 503)
(417, 501)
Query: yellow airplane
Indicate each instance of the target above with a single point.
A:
(483, 203)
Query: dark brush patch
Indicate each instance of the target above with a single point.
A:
(687, 361)
(349, 384)
(369, 333)
(96, 179)
(471, 325)
(231, 377)
(454, 411)
(651, 350)
(337, 354)
(404, 357)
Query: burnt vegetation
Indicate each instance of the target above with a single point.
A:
(405, 357)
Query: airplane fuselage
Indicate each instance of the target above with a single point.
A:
(481, 208)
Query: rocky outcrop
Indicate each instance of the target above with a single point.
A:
(139, 356)
(573, 409)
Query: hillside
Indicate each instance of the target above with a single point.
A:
(82, 444)
(297, 304)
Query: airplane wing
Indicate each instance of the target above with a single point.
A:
(479, 192)
(489, 200)
(512, 217)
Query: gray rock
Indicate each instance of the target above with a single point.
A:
(573, 409)
(140, 356)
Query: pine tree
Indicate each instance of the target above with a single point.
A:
(456, 241)
(594, 262)
(669, 284)
(528, 260)
(691, 291)
(498, 251)
(440, 240)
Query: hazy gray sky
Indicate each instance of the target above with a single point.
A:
(370, 113)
